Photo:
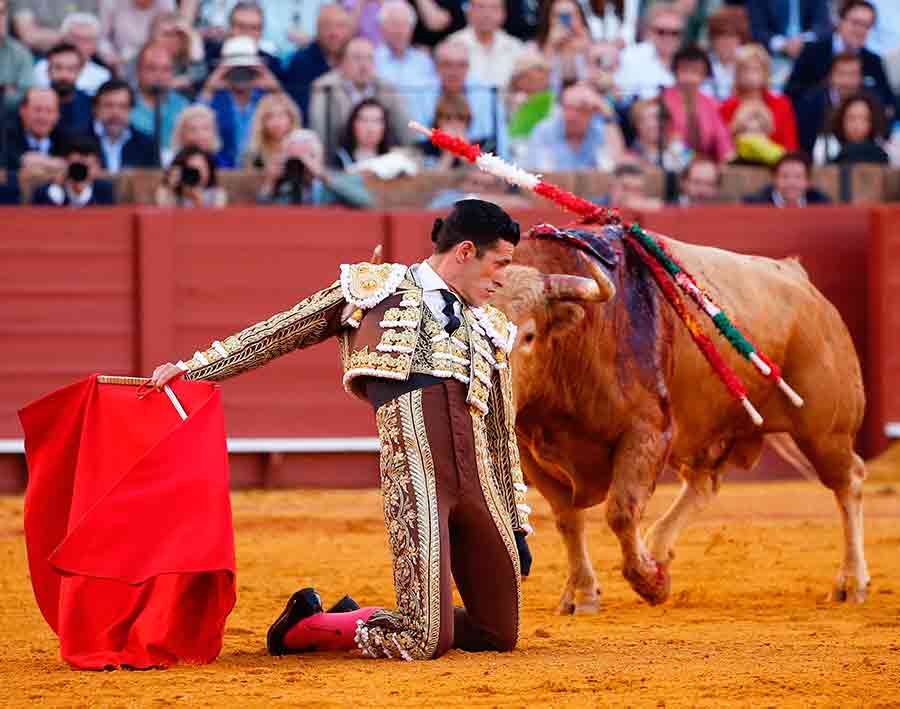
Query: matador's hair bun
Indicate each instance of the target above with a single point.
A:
(436, 229)
(482, 223)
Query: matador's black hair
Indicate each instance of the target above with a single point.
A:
(482, 223)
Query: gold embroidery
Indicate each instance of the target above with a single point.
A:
(367, 284)
(411, 516)
(376, 364)
(398, 341)
(402, 315)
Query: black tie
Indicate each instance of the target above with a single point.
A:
(452, 321)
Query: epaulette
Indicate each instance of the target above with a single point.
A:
(496, 326)
(365, 285)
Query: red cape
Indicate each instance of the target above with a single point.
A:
(128, 523)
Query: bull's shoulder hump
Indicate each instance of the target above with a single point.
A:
(713, 259)
(366, 284)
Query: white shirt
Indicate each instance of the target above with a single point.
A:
(89, 80)
(492, 65)
(641, 72)
(41, 145)
(432, 285)
(112, 150)
(608, 26)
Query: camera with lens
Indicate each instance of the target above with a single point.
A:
(241, 74)
(293, 177)
(77, 171)
(190, 176)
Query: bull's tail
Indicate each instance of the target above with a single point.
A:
(788, 450)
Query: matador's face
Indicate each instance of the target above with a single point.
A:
(480, 277)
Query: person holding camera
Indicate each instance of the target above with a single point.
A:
(234, 90)
(563, 38)
(191, 181)
(77, 186)
(297, 176)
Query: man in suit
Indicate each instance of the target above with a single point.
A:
(856, 19)
(78, 186)
(121, 145)
(334, 28)
(790, 185)
(336, 93)
(64, 65)
(785, 27)
(33, 141)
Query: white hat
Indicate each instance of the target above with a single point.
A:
(240, 51)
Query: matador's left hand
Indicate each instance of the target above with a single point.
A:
(524, 553)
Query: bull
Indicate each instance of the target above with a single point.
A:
(610, 390)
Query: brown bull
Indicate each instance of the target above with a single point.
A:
(610, 389)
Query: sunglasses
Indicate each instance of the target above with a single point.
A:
(666, 32)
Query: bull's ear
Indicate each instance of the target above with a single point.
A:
(564, 316)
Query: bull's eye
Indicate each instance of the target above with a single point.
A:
(529, 338)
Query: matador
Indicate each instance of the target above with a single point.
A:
(421, 344)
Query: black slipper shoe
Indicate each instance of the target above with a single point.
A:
(302, 604)
(345, 605)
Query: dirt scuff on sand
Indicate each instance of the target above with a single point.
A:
(748, 622)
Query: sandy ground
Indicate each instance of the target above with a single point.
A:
(748, 623)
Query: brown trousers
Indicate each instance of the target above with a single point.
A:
(444, 515)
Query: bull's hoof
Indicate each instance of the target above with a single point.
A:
(565, 608)
(588, 608)
(652, 583)
(579, 603)
(848, 591)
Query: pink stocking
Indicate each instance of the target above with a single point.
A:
(326, 631)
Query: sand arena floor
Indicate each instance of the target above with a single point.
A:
(748, 623)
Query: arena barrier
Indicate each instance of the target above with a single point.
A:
(118, 291)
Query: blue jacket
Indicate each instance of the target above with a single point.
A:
(229, 128)
(769, 18)
(305, 67)
(77, 115)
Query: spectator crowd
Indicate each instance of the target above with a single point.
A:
(314, 95)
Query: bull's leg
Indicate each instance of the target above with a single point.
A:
(843, 472)
(697, 490)
(581, 594)
(638, 459)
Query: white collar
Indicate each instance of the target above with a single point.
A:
(81, 199)
(429, 279)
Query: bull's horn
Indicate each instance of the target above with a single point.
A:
(558, 286)
(604, 283)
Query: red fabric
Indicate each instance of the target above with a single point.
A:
(327, 632)
(128, 523)
(785, 133)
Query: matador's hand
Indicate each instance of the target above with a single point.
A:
(524, 553)
(165, 373)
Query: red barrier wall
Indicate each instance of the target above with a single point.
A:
(120, 290)
(884, 312)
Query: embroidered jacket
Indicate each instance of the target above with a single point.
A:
(391, 334)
